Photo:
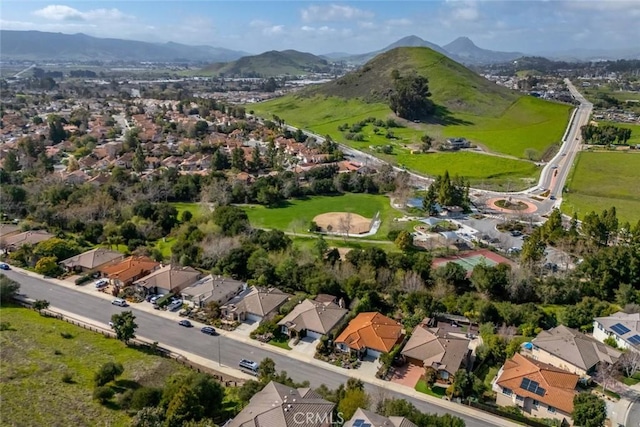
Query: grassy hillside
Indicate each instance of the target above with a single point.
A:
(497, 119)
(601, 180)
(272, 63)
(452, 85)
(35, 356)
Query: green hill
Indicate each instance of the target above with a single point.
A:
(452, 85)
(270, 64)
(508, 126)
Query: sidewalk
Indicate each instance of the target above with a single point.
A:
(306, 358)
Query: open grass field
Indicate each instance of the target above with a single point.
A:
(600, 180)
(35, 356)
(528, 123)
(296, 215)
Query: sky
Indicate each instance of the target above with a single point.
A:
(320, 27)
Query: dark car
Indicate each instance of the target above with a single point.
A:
(208, 330)
(185, 323)
(4, 266)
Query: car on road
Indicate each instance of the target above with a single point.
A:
(208, 330)
(564, 154)
(552, 197)
(185, 323)
(102, 283)
(120, 302)
(111, 325)
(249, 366)
(516, 233)
(4, 266)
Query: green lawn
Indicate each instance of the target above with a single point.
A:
(35, 356)
(422, 387)
(296, 214)
(281, 341)
(600, 180)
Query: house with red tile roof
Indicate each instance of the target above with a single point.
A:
(539, 389)
(370, 334)
(130, 269)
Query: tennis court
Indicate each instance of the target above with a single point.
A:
(471, 259)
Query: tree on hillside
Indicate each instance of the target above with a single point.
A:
(124, 325)
(409, 98)
(107, 373)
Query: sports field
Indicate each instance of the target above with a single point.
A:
(296, 215)
(600, 180)
(470, 259)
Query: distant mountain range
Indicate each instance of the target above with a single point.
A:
(42, 46)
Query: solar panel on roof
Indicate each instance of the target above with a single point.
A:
(620, 329)
(366, 425)
(635, 339)
(358, 423)
(532, 386)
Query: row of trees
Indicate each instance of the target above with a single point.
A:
(605, 134)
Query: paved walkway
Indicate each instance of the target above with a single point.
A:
(308, 359)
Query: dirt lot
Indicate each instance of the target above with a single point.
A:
(343, 222)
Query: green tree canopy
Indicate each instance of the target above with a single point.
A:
(589, 410)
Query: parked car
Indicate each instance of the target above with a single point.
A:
(516, 233)
(248, 366)
(120, 302)
(156, 298)
(4, 266)
(175, 305)
(208, 330)
(185, 323)
(101, 283)
(111, 325)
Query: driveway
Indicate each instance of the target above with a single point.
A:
(245, 328)
(407, 375)
(369, 366)
(306, 347)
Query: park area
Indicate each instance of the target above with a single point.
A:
(47, 371)
(469, 260)
(600, 180)
(296, 215)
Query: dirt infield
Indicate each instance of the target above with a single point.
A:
(340, 222)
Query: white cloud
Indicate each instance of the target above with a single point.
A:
(258, 23)
(65, 13)
(403, 22)
(334, 12)
(273, 30)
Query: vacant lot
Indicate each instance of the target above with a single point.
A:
(528, 123)
(34, 357)
(296, 215)
(601, 180)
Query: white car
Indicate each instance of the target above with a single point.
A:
(101, 283)
(120, 302)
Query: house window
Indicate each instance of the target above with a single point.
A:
(506, 391)
(535, 403)
(551, 409)
(519, 398)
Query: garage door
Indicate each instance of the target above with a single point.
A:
(253, 318)
(373, 353)
(313, 335)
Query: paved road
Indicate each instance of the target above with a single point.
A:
(633, 415)
(168, 332)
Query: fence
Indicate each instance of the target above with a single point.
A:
(227, 380)
(515, 417)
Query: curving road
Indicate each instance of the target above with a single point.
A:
(222, 349)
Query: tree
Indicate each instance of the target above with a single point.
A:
(266, 370)
(8, 288)
(404, 241)
(40, 304)
(185, 405)
(629, 363)
(148, 417)
(107, 373)
(48, 266)
(103, 394)
(589, 410)
(410, 97)
(352, 400)
(204, 394)
(11, 163)
(124, 325)
(231, 220)
(139, 163)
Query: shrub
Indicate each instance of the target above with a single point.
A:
(5, 326)
(102, 394)
(57, 352)
(124, 399)
(66, 335)
(108, 372)
(83, 279)
(67, 378)
(145, 397)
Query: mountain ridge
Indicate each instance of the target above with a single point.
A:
(270, 64)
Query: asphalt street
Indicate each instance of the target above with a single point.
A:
(218, 349)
